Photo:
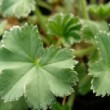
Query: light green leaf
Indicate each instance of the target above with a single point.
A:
(15, 105)
(100, 70)
(65, 26)
(18, 8)
(30, 70)
(91, 28)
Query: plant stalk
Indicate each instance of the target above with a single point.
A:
(84, 9)
(93, 1)
(71, 99)
(101, 1)
(64, 100)
(85, 80)
(82, 52)
(40, 19)
(44, 4)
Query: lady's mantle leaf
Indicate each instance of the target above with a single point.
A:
(18, 8)
(100, 70)
(91, 28)
(30, 70)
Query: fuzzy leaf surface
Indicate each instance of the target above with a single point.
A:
(91, 28)
(17, 8)
(100, 70)
(30, 70)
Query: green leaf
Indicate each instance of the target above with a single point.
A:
(91, 28)
(65, 26)
(18, 8)
(102, 11)
(15, 105)
(5, 106)
(84, 79)
(100, 70)
(57, 106)
(30, 70)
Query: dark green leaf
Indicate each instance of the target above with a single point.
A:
(65, 26)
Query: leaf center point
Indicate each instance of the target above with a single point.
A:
(37, 62)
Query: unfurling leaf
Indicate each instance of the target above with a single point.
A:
(66, 26)
(29, 70)
(101, 11)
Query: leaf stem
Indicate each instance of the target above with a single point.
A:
(85, 80)
(44, 4)
(64, 100)
(59, 42)
(40, 19)
(71, 99)
(101, 1)
(93, 1)
(82, 52)
(84, 9)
